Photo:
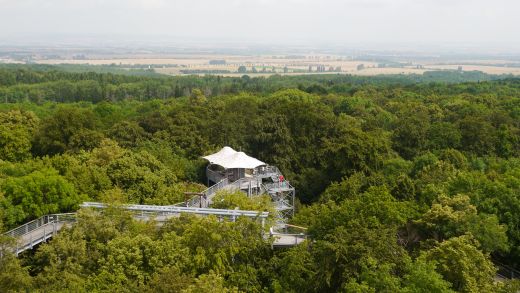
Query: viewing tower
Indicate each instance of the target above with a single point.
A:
(232, 170)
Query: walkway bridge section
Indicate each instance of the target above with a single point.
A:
(286, 235)
(40, 230)
(37, 231)
(163, 213)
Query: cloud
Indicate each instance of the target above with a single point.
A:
(150, 4)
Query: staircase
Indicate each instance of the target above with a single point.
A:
(281, 192)
(205, 200)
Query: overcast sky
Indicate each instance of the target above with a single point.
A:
(481, 22)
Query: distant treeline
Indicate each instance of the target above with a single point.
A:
(205, 71)
(39, 83)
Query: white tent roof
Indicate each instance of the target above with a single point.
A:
(231, 159)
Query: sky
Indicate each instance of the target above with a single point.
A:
(344, 22)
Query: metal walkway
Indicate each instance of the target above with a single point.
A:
(280, 191)
(284, 239)
(40, 230)
(175, 210)
(37, 231)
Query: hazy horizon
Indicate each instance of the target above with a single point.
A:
(385, 24)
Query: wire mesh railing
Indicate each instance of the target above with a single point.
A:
(278, 185)
(267, 170)
(287, 235)
(506, 272)
(212, 190)
(215, 176)
(37, 231)
(36, 224)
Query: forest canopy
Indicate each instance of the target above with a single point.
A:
(405, 183)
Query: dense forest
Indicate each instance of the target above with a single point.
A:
(406, 183)
(72, 83)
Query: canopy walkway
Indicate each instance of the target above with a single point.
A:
(154, 210)
(259, 179)
(40, 230)
(285, 239)
(37, 231)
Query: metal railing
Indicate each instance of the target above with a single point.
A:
(282, 239)
(35, 224)
(267, 170)
(178, 210)
(214, 176)
(506, 272)
(240, 184)
(38, 231)
(210, 193)
(205, 200)
(249, 183)
(43, 228)
(212, 190)
(278, 185)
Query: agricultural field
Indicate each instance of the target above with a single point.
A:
(489, 69)
(265, 65)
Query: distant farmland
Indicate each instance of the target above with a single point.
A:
(268, 65)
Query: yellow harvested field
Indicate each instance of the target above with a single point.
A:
(388, 70)
(11, 61)
(483, 68)
(129, 61)
(174, 64)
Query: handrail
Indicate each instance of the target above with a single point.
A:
(194, 201)
(238, 183)
(268, 170)
(506, 271)
(70, 217)
(302, 235)
(43, 228)
(282, 184)
(37, 223)
(213, 189)
(273, 233)
(189, 210)
(294, 226)
(27, 227)
(215, 175)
